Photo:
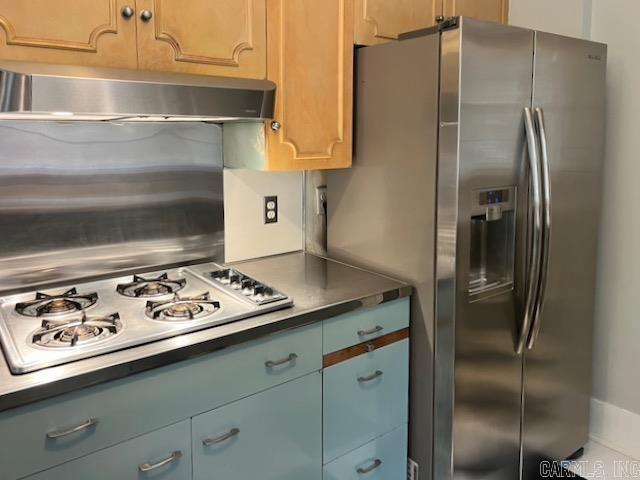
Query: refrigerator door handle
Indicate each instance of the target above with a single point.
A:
(535, 212)
(546, 225)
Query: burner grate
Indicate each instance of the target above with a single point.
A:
(77, 331)
(151, 287)
(183, 308)
(45, 305)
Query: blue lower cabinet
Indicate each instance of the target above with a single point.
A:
(365, 397)
(117, 411)
(161, 455)
(273, 435)
(364, 325)
(384, 458)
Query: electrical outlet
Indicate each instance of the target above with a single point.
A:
(271, 209)
(321, 200)
(412, 469)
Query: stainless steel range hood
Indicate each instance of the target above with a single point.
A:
(33, 91)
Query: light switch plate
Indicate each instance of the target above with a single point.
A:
(321, 200)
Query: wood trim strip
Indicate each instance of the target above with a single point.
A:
(334, 358)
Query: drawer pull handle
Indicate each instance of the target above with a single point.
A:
(364, 470)
(368, 378)
(147, 467)
(68, 431)
(207, 442)
(276, 363)
(374, 330)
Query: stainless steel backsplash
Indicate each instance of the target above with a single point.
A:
(83, 200)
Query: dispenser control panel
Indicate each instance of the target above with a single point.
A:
(492, 197)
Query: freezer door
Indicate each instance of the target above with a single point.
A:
(481, 233)
(569, 91)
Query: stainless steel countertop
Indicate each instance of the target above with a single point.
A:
(320, 289)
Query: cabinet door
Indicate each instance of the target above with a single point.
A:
(310, 58)
(491, 10)
(378, 21)
(208, 37)
(364, 397)
(81, 32)
(163, 455)
(273, 435)
(385, 458)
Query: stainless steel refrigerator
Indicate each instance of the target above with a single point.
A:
(478, 157)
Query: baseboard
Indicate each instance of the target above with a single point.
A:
(615, 428)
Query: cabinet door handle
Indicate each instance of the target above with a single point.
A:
(127, 12)
(364, 470)
(368, 378)
(147, 467)
(275, 363)
(376, 329)
(146, 15)
(68, 431)
(222, 438)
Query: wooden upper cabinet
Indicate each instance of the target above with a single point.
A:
(209, 37)
(310, 58)
(491, 10)
(378, 21)
(81, 32)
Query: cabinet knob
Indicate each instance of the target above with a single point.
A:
(146, 15)
(276, 126)
(440, 18)
(127, 12)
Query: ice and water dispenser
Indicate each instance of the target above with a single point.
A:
(493, 231)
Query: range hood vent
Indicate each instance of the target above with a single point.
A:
(31, 91)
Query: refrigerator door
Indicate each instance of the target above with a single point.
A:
(569, 91)
(482, 214)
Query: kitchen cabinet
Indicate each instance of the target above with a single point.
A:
(164, 454)
(75, 32)
(365, 393)
(490, 10)
(364, 325)
(120, 409)
(384, 458)
(209, 37)
(273, 435)
(378, 21)
(266, 409)
(310, 58)
(365, 397)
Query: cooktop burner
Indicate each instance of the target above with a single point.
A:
(76, 332)
(151, 287)
(39, 330)
(45, 305)
(181, 309)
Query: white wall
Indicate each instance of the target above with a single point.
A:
(565, 17)
(246, 234)
(617, 346)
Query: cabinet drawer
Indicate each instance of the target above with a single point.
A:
(141, 403)
(364, 324)
(273, 435)
(365, 397)
(385, 458)
(164, 454)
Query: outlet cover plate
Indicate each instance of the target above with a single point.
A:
(271, 209)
